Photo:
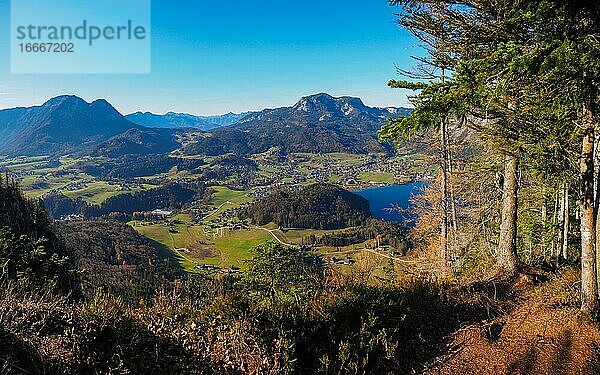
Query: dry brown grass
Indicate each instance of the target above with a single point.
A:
(543, 334)
(201, 250)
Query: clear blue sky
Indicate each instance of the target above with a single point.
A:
(211, 57)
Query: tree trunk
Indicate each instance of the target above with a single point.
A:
(454, 216)
(444, 199)
(444, 183)
(565, 235)
(507, 245)
(544, 208)
(451, 182)
(596, 162)
(589, 285)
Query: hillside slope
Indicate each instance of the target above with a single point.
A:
(137, 142)
(115, 258)
(30, 249)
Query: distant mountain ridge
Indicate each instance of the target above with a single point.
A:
(69, 125)
(316, 123)
(62, 125)
(184, 120)
(328, 107)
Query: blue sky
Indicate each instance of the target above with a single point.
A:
(212, 57)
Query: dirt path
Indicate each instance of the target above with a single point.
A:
(176, 250)
(272, 231)
(215, 210)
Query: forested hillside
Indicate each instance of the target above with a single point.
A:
(137, 142)
(30, 250)
(168, 196)
(131, 166)
(115, 259)
(319, 206)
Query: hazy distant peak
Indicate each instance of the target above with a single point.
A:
(185, 120)
(69, 103)
(102, 102)
(64, 99)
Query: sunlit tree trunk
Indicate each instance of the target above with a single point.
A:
(444, 183)
(544, 209)
(589, 285)
(507, 245)
(596, 162)
(556, 228)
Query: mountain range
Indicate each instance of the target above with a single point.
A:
(172, 120)
(69, 125)
(63, 124)
(316, 123)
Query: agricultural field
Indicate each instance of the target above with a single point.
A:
(223, 195)
(40, 175)
(188, 245)
(23, 163)
(377, 177)
(97, 192)
(191, 245)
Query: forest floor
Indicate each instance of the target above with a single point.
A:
(538, 330)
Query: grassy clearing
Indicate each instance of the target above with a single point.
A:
(95, 193)
(224, 194)
(295, 236)
(160, 234)
(334, 179)
(235, 246)
(377, 177)
(347, 159)
(23, 163)
(27, 184)
(184, 218)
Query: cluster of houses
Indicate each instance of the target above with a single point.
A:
(212, 268)
(299, 168)
(347, 261)
(227, 219)
(79, 185)
(230, 225)
(18, 175)
(71, 218)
